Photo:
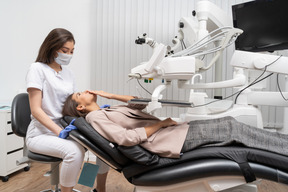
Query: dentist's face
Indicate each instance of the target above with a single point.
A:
(68, 48)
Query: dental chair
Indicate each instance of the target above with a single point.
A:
(206, 169)
(20, 119)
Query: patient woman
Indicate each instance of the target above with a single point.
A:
(128, 125)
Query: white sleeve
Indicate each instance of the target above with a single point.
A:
(34, 77)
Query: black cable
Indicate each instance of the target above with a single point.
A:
(183, 43)
(233, 93)
(278, 85)
(143, 87)
(251, 84)
(215, 100)
(254, 82)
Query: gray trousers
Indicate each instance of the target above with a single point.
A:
(225, 131)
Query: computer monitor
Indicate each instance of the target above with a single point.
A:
(264, 24)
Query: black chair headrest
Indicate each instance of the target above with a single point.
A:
(20, 114)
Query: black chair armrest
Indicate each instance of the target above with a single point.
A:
(78, 136)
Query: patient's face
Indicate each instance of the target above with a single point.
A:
(84, 98)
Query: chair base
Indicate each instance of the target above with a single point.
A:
(56, 189)
(54, 178)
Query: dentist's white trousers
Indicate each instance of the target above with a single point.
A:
(70, 151)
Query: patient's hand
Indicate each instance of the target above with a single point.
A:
(168, 122)
(123, 98)
(160, 124)
(102, 94)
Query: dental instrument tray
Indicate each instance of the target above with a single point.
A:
(164, 102)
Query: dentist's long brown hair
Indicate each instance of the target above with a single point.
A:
(52, 43)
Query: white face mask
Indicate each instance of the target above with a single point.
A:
(63, 59)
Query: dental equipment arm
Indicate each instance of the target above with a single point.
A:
(210, 19)
(206, 18)
(245, 107)
(261, 62)
(238, 80)
(258, 61)
(208, 26)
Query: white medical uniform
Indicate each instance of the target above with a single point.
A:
(55, 88)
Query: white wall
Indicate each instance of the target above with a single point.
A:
(25, 24)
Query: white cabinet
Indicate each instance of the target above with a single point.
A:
(11, 147)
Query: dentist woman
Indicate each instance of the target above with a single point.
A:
(49, 82)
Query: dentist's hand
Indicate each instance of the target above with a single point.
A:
(105, 106)
(65, 132)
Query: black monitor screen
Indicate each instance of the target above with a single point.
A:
(264, 24)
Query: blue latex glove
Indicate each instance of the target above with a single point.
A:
(105, 106)
(65, 132)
